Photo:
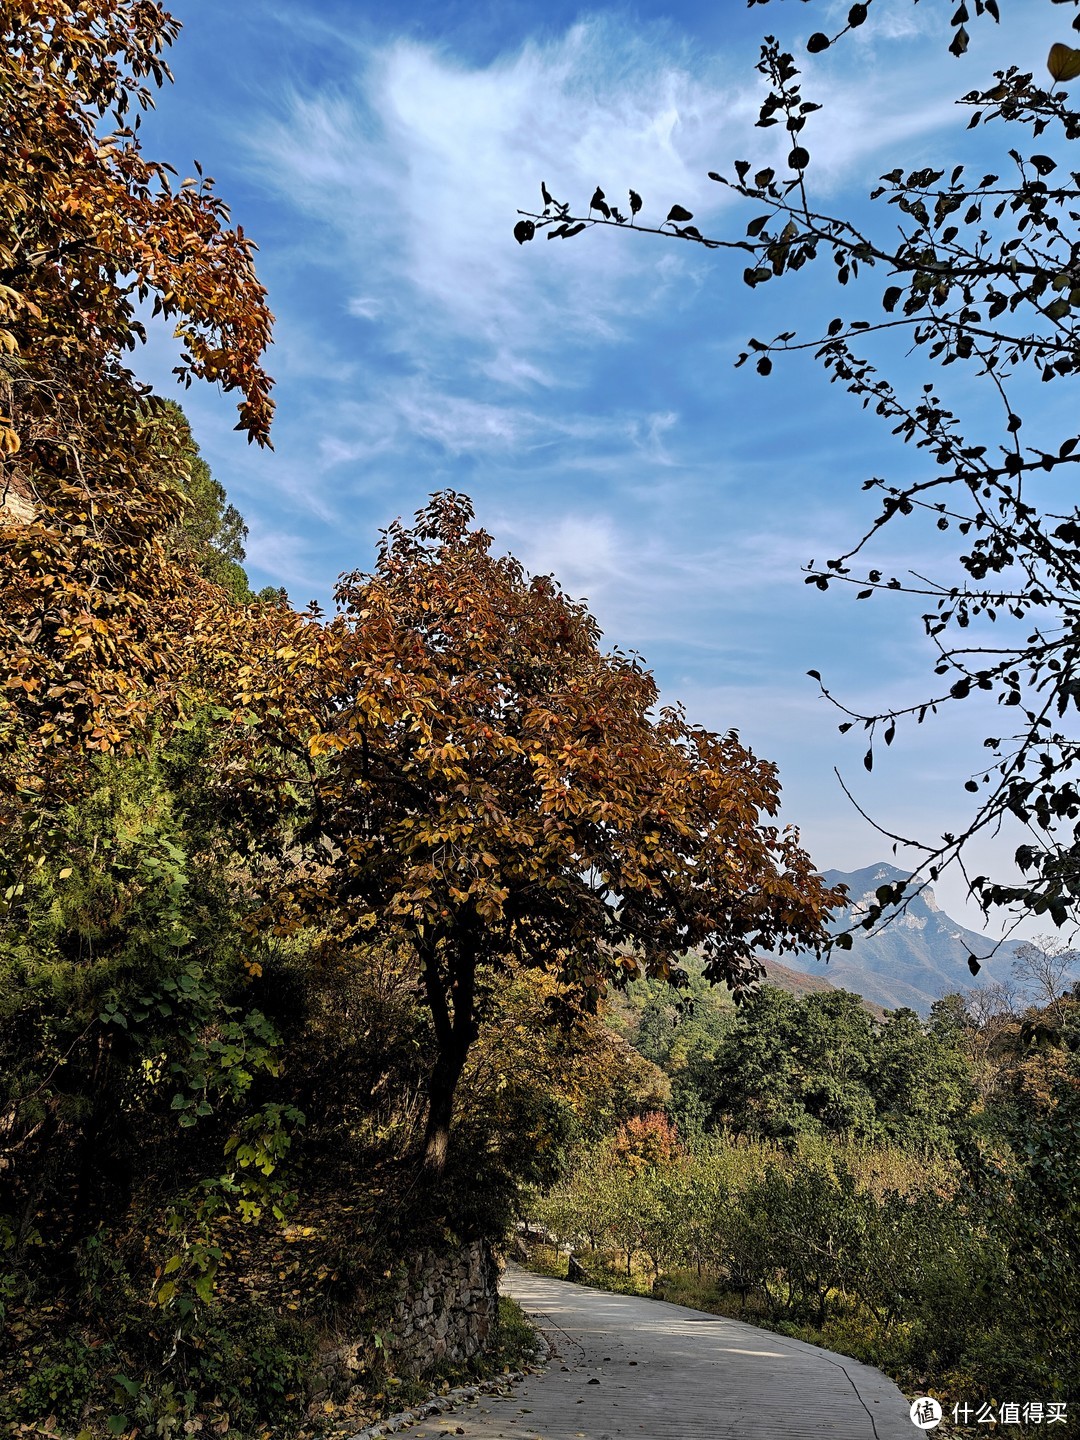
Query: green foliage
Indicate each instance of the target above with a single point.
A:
(517, 1334)
(920, 1082)
(678, 1032)
(821, 1066)
(126, 999)
(209, 537)
(243, 1363)
(1030, 1207)
(273, 595)
(251, 1363)
(58, 1385)
(140, 1077)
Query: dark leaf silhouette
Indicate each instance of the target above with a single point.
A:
(1063, 62)
(980, 271)
(599, 203)
(524, 230)
(545, 195)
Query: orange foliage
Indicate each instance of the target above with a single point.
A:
(91, 607)
(645, 1141)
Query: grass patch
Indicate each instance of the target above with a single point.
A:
(518, 1337)
(547, 1260)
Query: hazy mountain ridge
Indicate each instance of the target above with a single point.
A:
(802, 985)
(919, 956)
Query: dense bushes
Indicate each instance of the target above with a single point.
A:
(779, 1067)
(209, 1136)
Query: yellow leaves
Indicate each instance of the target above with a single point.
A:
(323, 743)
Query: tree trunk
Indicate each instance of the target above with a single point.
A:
(441, 1089)
(451, 995)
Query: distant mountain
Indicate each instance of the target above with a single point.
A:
(801, 985)
(920, 955)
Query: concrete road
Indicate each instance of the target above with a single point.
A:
(646, 1370)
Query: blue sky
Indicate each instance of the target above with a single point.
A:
(583, 393)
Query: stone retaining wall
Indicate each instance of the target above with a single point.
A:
(445, 1312)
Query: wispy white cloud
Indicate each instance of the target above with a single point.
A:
(650, 583)
(287, 558)
(407, 173)
(419, 165)
(365, 307)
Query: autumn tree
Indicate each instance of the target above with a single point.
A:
(980, 272)
(98, 480)
(96, 476)
(487, 781)
(91, 480)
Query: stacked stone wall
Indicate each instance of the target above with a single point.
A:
(445, 1312)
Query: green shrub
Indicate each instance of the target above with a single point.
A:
(60, 1383)
(252, 1363)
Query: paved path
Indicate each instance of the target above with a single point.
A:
(646, 1370)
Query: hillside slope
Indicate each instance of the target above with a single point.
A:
(920, 955)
